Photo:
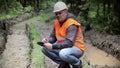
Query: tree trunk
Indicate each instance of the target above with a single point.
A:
(38, 5)
(24, 3)
(98, 10)
(104, 3)
(108, 10)
(116, 7)
(5, 6)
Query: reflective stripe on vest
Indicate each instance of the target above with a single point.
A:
(80, 42)
(78, 35)
(62, 39)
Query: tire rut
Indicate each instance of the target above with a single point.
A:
(16, 52)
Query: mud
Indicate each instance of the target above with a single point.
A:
(99, 57)
(106, 42)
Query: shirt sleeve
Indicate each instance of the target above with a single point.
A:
(52, 37)
(69, 40)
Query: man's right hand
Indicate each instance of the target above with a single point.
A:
(45, 40)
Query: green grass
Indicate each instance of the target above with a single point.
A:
(36, 56)
(45, 16)
(7, 16)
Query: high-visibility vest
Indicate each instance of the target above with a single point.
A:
(60, 32)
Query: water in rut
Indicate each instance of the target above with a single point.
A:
(99, 57)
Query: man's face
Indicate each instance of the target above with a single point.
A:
(61, 15)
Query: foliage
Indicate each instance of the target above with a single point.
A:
(92, 14)
(47, 4)
(28, 9)
(43, 16)
(13, 12)
(117, 49)
(103, 14)
(9, 9)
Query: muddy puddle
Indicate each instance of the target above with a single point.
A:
(99, 57)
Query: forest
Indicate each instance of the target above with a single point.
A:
(99, 14)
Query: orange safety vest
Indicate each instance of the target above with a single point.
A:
(60, 32)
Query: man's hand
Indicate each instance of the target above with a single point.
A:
(48, 46)
(45, 40)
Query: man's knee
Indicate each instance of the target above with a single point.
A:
(63, 55)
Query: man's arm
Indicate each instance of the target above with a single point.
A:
(52, 37)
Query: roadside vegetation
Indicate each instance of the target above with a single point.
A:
(36, 56)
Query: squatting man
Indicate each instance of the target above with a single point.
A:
(65, 44)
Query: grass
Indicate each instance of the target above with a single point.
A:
(13, 12)
(36, 56)
(45, 16)
(7, 16)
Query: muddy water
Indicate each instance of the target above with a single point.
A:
(99, 57)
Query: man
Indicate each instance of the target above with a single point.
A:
(65, 45)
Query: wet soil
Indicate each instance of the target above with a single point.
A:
(99, 57)
(106, 42)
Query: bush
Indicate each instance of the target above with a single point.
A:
(28, 9)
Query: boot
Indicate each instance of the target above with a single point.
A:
(78, 66)
(64, 65)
